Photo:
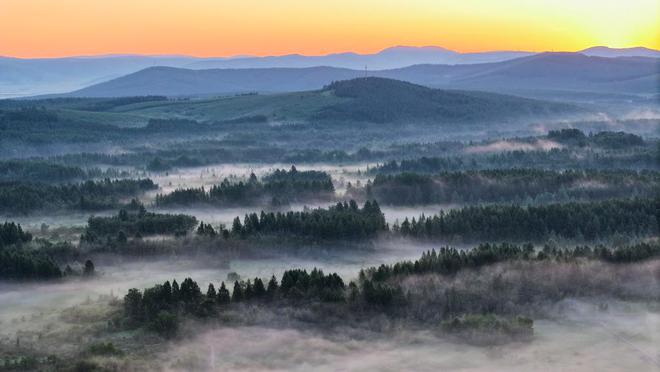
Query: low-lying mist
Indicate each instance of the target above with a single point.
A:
(579, 337)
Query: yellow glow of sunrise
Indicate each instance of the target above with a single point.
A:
(49, 28)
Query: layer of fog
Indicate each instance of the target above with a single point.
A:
(31, 306)
(578, 338)
(507, 146)
(214, 174)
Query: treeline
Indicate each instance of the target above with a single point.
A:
(49, 172)
(382, 289)
(448, 260)
(579, 221)
(605, 139)
(159, 307)
(557, 159)
(280, 187)
(341, 221)
(135, 222)
(20, 264)
(12, 234)
(508, 185)
(24, 197)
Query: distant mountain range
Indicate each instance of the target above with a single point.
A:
(24, 77)
(526, 76)
(601, 51)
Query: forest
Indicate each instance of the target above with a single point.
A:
(377, 290)
(343, 221)
(24, 197)
(136, 222)
(578, 221)
(279, 188)
(174, 233)
(525, 186)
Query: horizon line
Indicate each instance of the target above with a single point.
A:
(239, 56)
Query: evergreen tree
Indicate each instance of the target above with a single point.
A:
(258, 288)
(271, 290)
(237, 293)
(210, 293)
(223, 295)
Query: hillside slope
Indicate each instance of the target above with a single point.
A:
(382, 100)
(375, 100)
(561, 72)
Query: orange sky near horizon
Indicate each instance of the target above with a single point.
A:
(49, 28)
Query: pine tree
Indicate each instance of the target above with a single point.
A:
(223, 295)
(258, 288)
(237, 293)
(271, 290)
(176, 292)
(210, 293)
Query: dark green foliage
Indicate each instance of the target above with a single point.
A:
(207, 230)
(557, 159)
(137, 222)
(298, 284)
(104, 348)
(237, 293)
(342, 221)
(22, 264)
(568, 135)
(616, 140)
(39, 171)
(448, 261)
(281, 187)
(88, 269)
(594, 220)
(12, 233)
(165, 324)
(211, 293)
(379, 288)
(510, 185)
(610, 140)
(107, 104)
(22, 197)
(18, 262)
(380, 100)
(223, 295)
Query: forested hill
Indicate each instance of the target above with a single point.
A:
(381, 100)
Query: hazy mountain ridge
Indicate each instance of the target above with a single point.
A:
(543, 72)
(24, 77)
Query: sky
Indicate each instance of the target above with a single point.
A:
(55, 28)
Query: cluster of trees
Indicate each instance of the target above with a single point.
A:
(280, 187)
(508, 185)
(136, 222)
(605, 139)
(592, 220)
(448, 260)
(377, 289)
(21, 264)
(159, 307)
(36, 170)
(341, 221)
(566, 158)
(12, 234)
(24, 197)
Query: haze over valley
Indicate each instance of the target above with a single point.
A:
(490, 206)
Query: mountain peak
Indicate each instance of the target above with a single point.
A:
(603, 51)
